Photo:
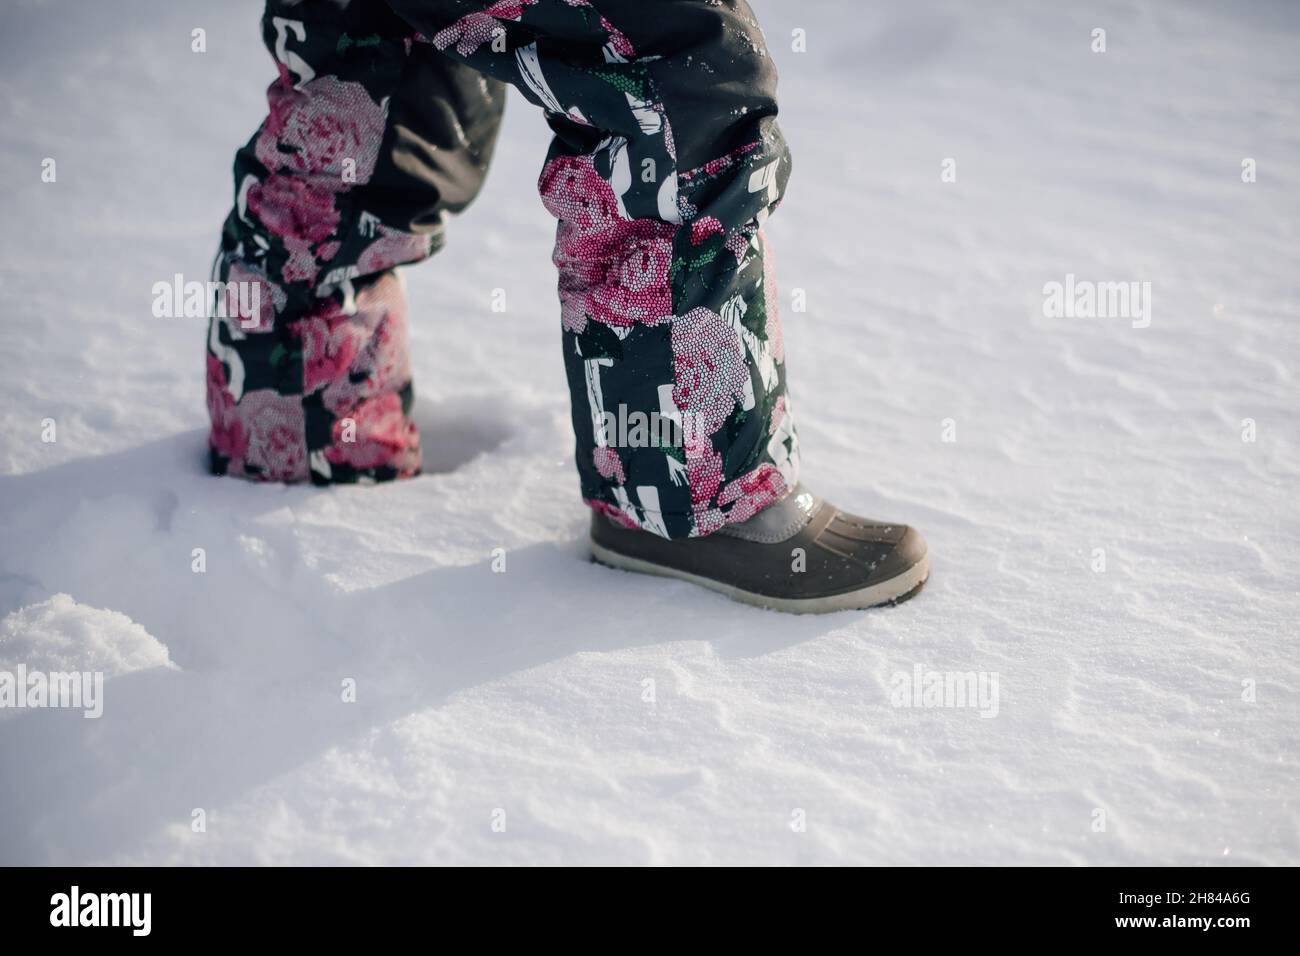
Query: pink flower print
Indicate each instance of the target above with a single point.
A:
(301, 265)
(573, 192)
(392, 248)
(384, 437)
(276, 442)
(291, 207)
(227, 436)
(608, 463)
(314, 130)
(330, 343)
(703, 473)
(704, 227)
(474, 29)
(708, 367)
(752, 492)
(613, 270)
(381, 362)
(270, 298)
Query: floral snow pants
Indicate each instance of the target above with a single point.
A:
(666, 161)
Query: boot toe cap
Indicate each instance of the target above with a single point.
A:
(906, 554)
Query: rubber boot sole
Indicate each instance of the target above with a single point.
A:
(891, 591)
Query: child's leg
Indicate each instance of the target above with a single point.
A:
(666, 161)
(370, 141)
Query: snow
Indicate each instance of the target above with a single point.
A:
(62, 635)
(560, 712)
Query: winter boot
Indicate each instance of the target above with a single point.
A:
(801, 555)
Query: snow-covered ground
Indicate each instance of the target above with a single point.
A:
(1146, 713)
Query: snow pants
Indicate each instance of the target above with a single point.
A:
(666, 161)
